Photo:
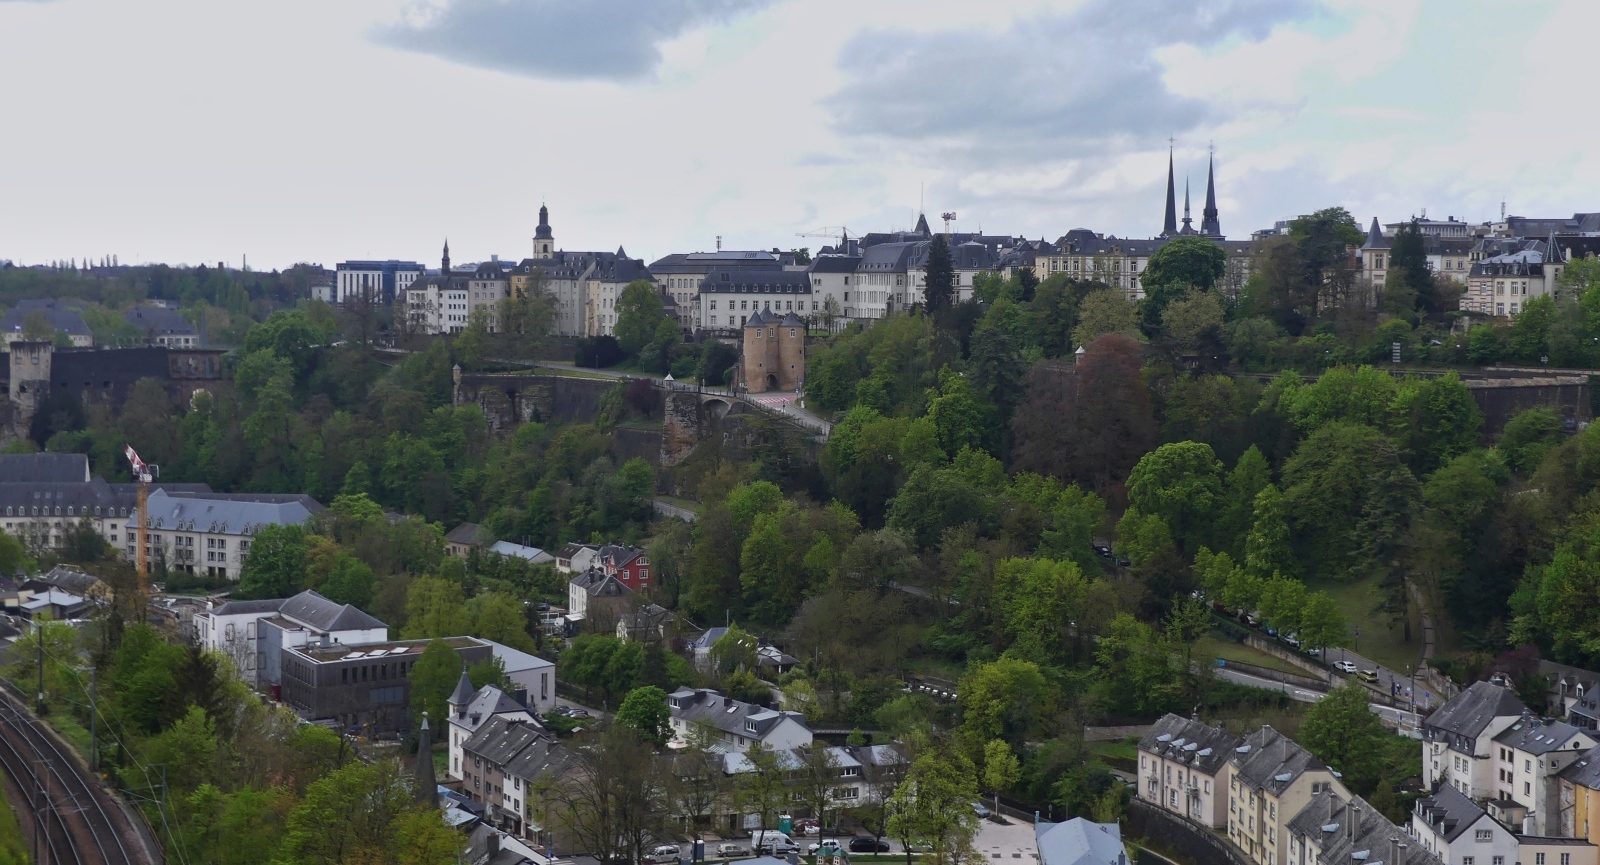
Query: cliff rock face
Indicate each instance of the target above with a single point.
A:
(680, 426)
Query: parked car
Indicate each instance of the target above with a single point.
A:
(1349, 668)
(1314, 651)
(728, 851)
(1103, 552)
(810, 827)
(1123, 563)
(981, 810)
(862, 844)
(664, 854)
(826, 847)
(577, 712)
(1292, 640)
(1368, 676)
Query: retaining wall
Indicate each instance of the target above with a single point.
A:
(1177, 838)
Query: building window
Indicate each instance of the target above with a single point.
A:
(1482, 835)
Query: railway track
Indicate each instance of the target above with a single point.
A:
(68, 812)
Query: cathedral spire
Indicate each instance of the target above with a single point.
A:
(444, 262)
(1209, 225)
(1169, 226)
(1188, 224)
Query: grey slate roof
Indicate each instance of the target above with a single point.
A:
(542, 756)
(1449, 812)
(704, 706)
(727, 259)
(1537, 735)
(325, 615)
(1271, 761)
(1375, 841)
(462, 695)
(1375, 238)
(1192, 743)
(159, 321)
(44, 468)
(835, 263)
(599, 584)
(468, 533)
(1080, 842)
(1585, 771)
(70, 579)
(61, 315)
(241, 608)
(226, 513)
(501, 739)
(1470, 712)
(725, 281)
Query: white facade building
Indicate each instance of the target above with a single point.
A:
(728, 725)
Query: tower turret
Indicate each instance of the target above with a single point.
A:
(544, 241)
(444, 261)
(1209, 225)
(1169, 226)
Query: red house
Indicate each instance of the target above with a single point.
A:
(630, 565)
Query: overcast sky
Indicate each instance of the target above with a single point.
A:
(324, 130)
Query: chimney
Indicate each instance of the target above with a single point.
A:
(1527, 824)
(1353, 825)
(521, 696)
(491, 844)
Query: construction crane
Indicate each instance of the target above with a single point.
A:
(828, 232)
(143, 475)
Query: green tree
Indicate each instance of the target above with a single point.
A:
(1250, 475)
(645, 711)
(933, 805)
(1267, 548)
(1179, 265)
(433, 677)
(500, 617)
(1528, 437)
(1101, 312)
(351, 815)
(639, 312)
(1322, 623)
(276, 563)
(1343, 732)
(435, 607)
(958, 417)
(349, 581)
(1181, 483)
(1193, 322)
(1008, 699)
(1000, 767)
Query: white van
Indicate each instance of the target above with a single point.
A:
(772, 841)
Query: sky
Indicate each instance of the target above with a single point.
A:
(191, 131)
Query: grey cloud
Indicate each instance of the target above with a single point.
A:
(567, 39)
(1052, 85)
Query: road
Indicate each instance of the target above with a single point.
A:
(1295, 692)
(672, 510)
(1389, 682)
(80, 821)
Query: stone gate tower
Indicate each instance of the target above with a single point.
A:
(773, 356)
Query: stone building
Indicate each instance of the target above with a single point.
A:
(773, 355)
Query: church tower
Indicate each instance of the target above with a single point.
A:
(1209, 226)
(1169, 226)
(544, 242)
(1188, 224)
(444, 262)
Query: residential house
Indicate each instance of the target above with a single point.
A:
(1332, 829)
(70, 579)
(647, 624)
(1460, 832)
(722, 723)
(461, 540)
(1574, 694)
(534, 677)
(50, 603)
(1529, 757)
(700, 647)
(484, 756)
(1457, 831)
(1579, 805)
(469, 710)
(596, 600)
(630, 565)
(576, 558)
(1079, 842)
(1270, 779)
(1183, 769)
(1457, 739)
(1375, 256)
(1120, 262)
(602, 288)
(831, 289)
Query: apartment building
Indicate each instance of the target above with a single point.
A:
(1458, 739)
(253, 633)
(367, 686)
(1183, 769)
(469, 710)
(724, 724)
(1336, 829)
(1270, 779)
(1529, 757)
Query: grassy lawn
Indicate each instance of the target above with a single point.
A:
(1377, 640)
(1121, 749)
(1230, 651)
(13, 849)
(76, 734)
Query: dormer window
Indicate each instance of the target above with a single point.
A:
(749, 726)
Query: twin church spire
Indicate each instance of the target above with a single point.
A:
(1210, 225)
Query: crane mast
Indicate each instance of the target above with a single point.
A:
(143, 474)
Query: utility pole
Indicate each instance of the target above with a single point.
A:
(38, 634)
(94, 723)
